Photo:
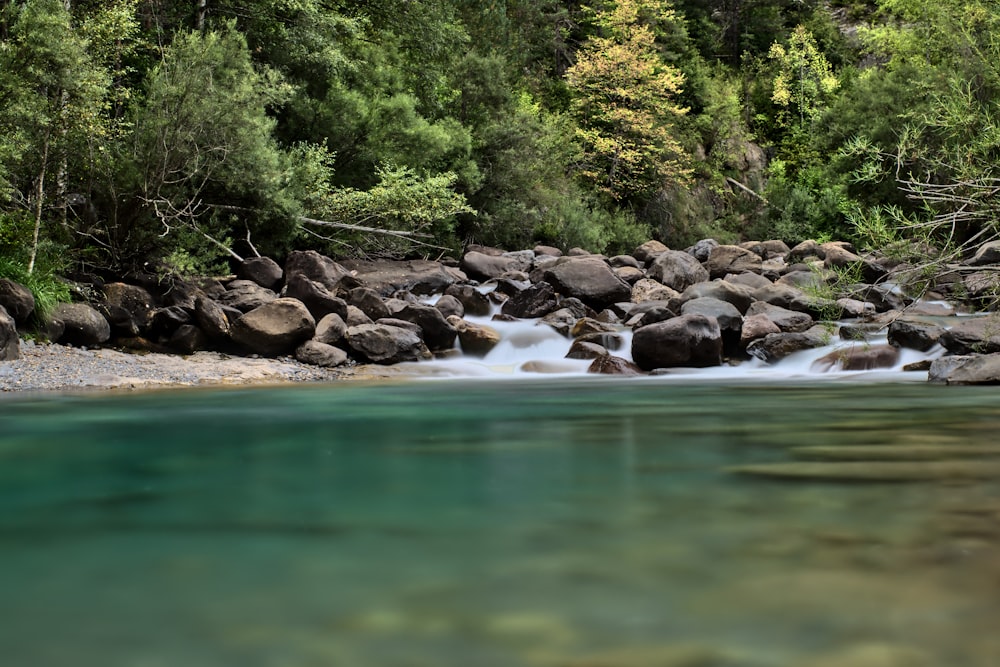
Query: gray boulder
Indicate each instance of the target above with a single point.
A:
(320, 354)
(82, 325)
(589, 279)
(648, 250)
(584, 349)
(648, 289)
(10, 344)
(858, 358)
(979, 335)
(319, 300)
(188, 339)
(988, 253)
(473, 301)
(330, 330)
(438, 334)
(740, 296)
(17, 300)
(968, 369)
(789, 321)
(129, 308)
(480, 266)
(476, 340)
(726, 314)
(275, 328)
(731, 259)
(537, 300)
(449, 305)
(914, 333)
(416, 275)
(369, 301)
(244, 296)
(774, 347)
(211, 318)
(385, 344)
(755, 327)
(688, 340)
(677, 269)
(262, 270)
(702, 250)
(608, 364)
(320, 268)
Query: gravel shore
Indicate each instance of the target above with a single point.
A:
(45, 367)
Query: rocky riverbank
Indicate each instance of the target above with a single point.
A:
(316, 319)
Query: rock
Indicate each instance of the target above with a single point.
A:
(982, 285)
(261, 270)
(980, 335)
(524, 260)
(678, 270)
(17, 300)
(862, 331)
(82, 324)
(756, 326)
(914, 334)
(726, 314)
(789, 321)
(244, 296)
(330, 330)
(774, 347)
(855, 308)
(775, 248)
(314, 296)
(121, 321)
(648, 250)
(858, 358)
(473, 301)
(740, 296)
(702, 250)
(795, 299)
(884, 298)
(321, 269)
(369, 301)
(449, 305)
(606, 339)
(211, 318)
(630, 274)
(988, 253)
(561, 320)
(731, 259)
(806, 279)
(182, 293)
(608, 364)
(275, 328)
(804, 251)
(480, 266)
(476, 340)
(129, 307)
(437, 333)
(416, 275)
(648, 289)
(547, 251)
(356, 316)
(651, 312)
(589, 279)
(166, 321)
(322, 354)
(978, 369)
(748, 279)
(10, 344)
(385, 344)
(688, 340)
(188, 339)
(581, 349)
(588, 325)
(622, 261)
(536, 301)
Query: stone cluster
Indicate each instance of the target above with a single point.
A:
(703, 306)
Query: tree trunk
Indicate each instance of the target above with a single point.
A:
(201, 9)
(39, 202)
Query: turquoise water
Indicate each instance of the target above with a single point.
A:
(581, 523)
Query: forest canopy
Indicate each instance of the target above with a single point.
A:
(140, 135)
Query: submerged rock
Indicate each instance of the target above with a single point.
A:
(858, 358)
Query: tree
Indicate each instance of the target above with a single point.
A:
(624, 102)
(804, 81)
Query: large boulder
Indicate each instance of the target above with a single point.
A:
(211, 318)
(688, 340)
(10, 344)
(677, 269)
(449, 305)
(262, 270)
(319, 300)
(980, 335)
(648, 250)
(369, 301)
(607, 364)
(275, 328)
(83, 325)
(188, 339)
(17, 300)
(129, 308)
(480, 266)
(320, 354)
(988, 253)
(388, 276)
(320, 268)
(438, 334)
(731, 259)
(330, 330)
(977, 369)
(726, 314)
(914, 333)
(756, 326)
(789, 321)
(589, 279)
(385, 344)
(740, 296)
(244, 296)
(535, 301)
(648, 289)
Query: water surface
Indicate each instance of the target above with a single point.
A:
(584, 522)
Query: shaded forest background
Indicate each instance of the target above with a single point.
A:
(159, 136)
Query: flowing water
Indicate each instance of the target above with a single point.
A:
(558, 522)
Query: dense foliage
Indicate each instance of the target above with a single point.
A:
(141, 134)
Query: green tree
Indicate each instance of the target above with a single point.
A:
(804, 81)
(624, 102)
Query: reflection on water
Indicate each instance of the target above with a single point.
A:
(586, 523)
